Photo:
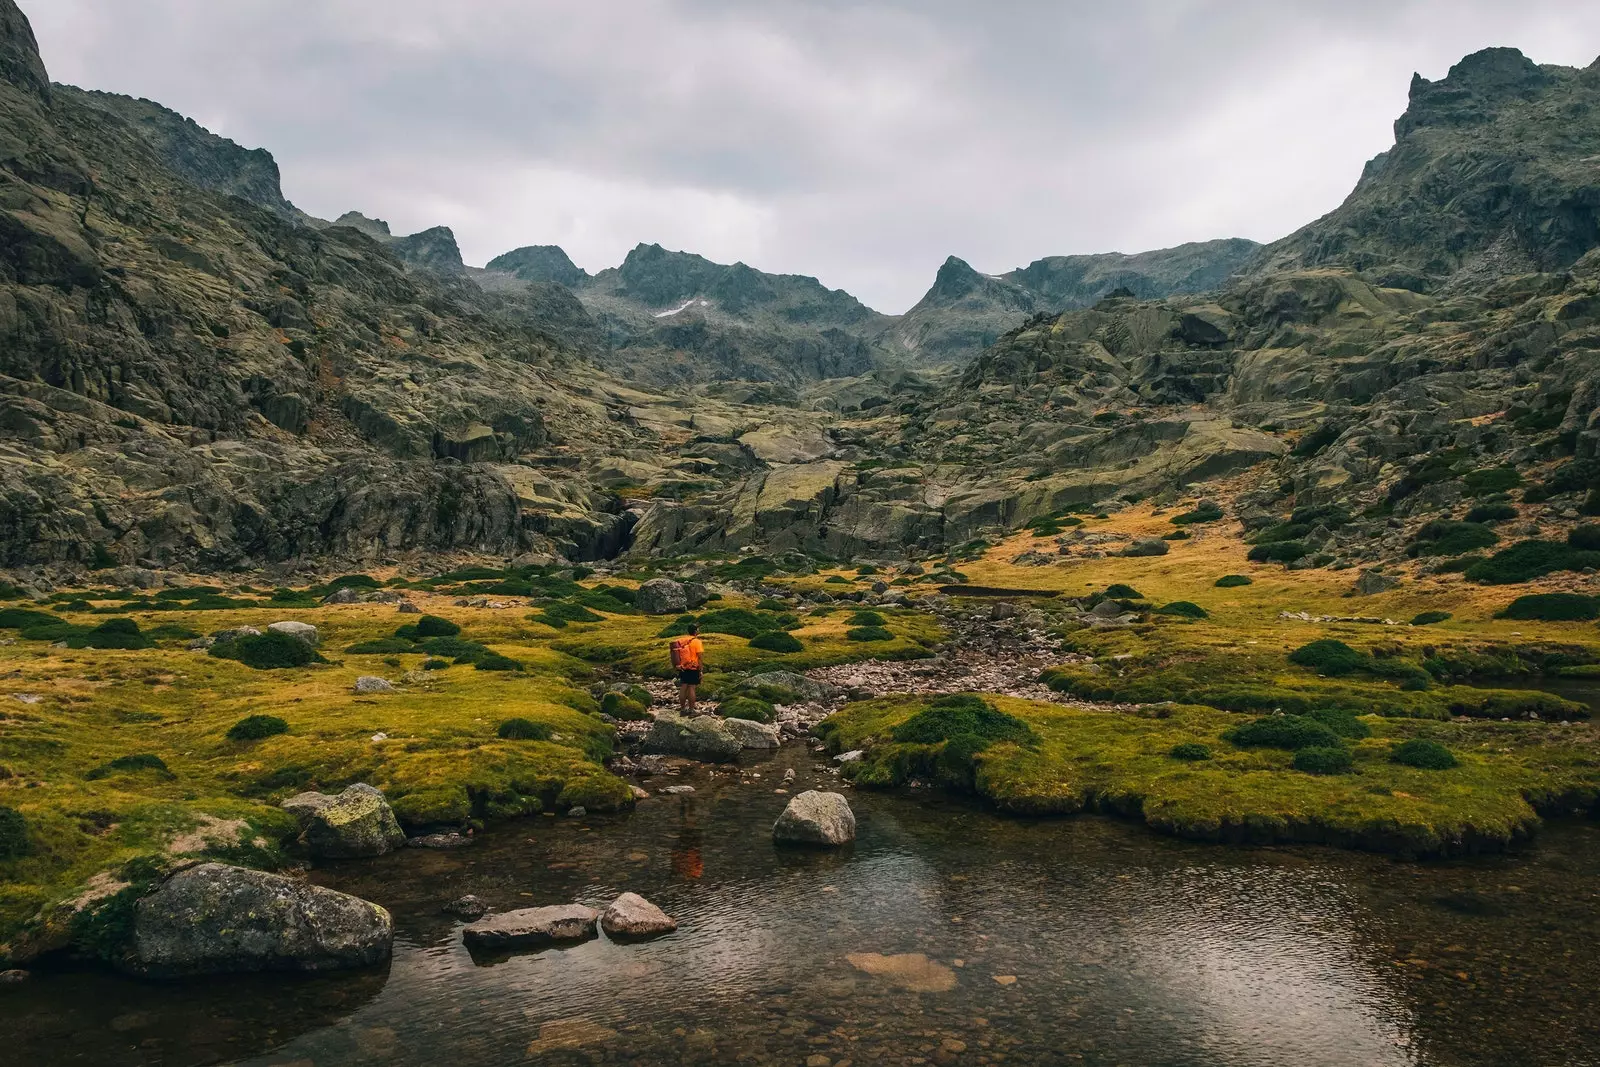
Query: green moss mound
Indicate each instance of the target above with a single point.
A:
(866, 618)
(454, 648)
(1527, 560)
(435, 664)
(496, 662)
(25, 618)
(1420, 752)
(777, 641)
(1341, 721)
(1498, 511)
(433, 626)
(1330, 658)
(962, 715)
(742, 707)
(1586, 538)
(383, 646)
(433, 807)
(1205, 513)
(1119, 591)
(621, 708)
(1446, 538)
(1184, 609)
(1428, 618)
(266, 652)
(1233, 581)
(1290, 732)
(14, 843)
(523, 730)
(1323, 760)
(1491, 480)
(257, 727)
(143, 761)
(1553, 607)
(1278, 552)
(866, 634)
(1190, 752)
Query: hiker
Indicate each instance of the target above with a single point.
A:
(688, 657)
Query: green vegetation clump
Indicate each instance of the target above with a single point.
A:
(866, 634)
(143, 761)
(866, 618)
(496, 662)
(1420, 752)
(14, 843)
(1586, 538)
(257, 727)
(777, 641)
(1119, 591)
(1527, 560)
(1491, 480)
(1445, 538)
(382, 646)
(25, 618)
(435, 664)
(743, 707)
(620, 707)
(1291, 732)
(1428, 618)
(1496, 511)
(1278, 552)
(1185, 609)
(268, 651)
(1206, 512)
(962, 715)
(1233, 581)
(1337, 760)
(433, 626)
(1330, 658)
(738, 622)
(1190, 752)
(1553, 607)
(523, 730)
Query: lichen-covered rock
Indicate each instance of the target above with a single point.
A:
(632, 916)
(815, 818)
(787, 684)
(343, 595)
(753, 735)
(695, 595)
(371, 683)
(662, 596)
(532, 927)
(1372, 583)
(706, 739)
(356, 822)
(1147, 547)
(300, 631)
(215, 919)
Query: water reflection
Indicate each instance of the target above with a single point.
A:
(1081, 941)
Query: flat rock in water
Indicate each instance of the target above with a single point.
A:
(755, 735)
(815, 818)
(630, 915)
(533, 927)
(217, 919)
(910, 970)
(356, 822)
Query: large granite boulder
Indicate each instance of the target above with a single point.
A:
(532, 927)
(632, 916)
(215, 919)
(814, 818)
(300, 631)
(707, 739)
(756, 735)
(662, 596)
(357, 822)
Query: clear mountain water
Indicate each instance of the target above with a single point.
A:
(1046, 942)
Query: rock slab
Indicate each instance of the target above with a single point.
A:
(217, 919)
(357, 822)
(630, 915)
(815, 818)
(532, 927)
(705, 739)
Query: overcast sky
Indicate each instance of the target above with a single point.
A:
(861, 141)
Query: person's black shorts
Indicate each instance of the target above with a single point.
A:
(689, 677)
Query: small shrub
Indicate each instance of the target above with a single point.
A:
(268, 651)
(1444, 538)
(1291, 732)
(383, 646)
(257, 727)
(1277, 552)
(1317, 760)
(1553, 607)
(1341, 721)
(619, 707)
(1331, 658)
(1420, 752)
(454, 648)
(1207, 512)
(1586, 537)
(962, 715)
(1233, 581)
(1491, 480)
(1527, 560)
(14, 841)
(1495, 512)
(352, 581)
(868, 633)
(435, 664)
(433, 626)
(1428, 618)
(523, 730)
(743, 707)
(777, 641)
(1119, 591)
(25, 618)
(143, 761)
(1185, 609)
(772, 604)
(496, 662)
(866, 618)
(1190, 751)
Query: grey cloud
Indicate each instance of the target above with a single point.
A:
(858, 141)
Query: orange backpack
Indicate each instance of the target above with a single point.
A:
(685, 657)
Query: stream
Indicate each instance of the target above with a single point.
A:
(1081, 940)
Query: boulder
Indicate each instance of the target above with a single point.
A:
(814, 818)
(1150, 546)
(345, 595)
(662, 596)
(1371, 583)
(371, 683)
(630, 915)
(532, 927)
(706, 739)
(696, 595)
(468, 907)
(803, 688)
(357, 822)
(300, 631)
(235, 633)
(406, 607)
(216, 919)
(755, 735)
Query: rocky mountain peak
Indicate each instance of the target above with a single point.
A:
(20, 63)
(374, 228)
(540, 263)
(1472, 90)
(433, 249)
(654, 275)
(956, 278)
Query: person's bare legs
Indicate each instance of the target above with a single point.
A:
(694, 699)
(685, 697)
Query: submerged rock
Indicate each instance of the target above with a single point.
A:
(662, 596)
(705, 739)
(440, 841)
(216, 919)
(630, 915)
(814, 818)
(533, 927)
(468, 907)
(357, 822)
(911, 970)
